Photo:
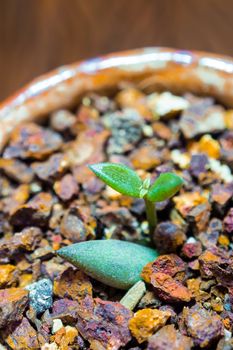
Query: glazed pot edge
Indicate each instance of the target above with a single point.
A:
(149, 68)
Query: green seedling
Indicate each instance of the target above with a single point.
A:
(117, 263)
(126, 181)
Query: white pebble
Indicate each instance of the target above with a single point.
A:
(165, 103)
(227, 334)
(57, 324)
(191, 240)
(223, 171)
(47, 346)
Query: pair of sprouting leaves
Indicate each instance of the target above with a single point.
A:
(126, 181)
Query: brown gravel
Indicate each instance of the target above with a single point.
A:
(50, 199)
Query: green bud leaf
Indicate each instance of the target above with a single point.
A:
(146, 183)
(144, 188)
(113, 262)
(164, 187)
(120, 177)
(143, 192)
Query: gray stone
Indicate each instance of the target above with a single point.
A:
(41, 295)
(126, 128)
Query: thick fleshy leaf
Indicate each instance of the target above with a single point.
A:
(113, 262)
(164, 187)
(120, 177)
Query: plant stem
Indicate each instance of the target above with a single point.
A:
(151, 216)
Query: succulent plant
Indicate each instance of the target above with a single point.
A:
(113, 262)
(126, 181)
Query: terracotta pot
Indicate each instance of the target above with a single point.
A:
(149, 68)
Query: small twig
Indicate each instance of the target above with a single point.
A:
(134, 295)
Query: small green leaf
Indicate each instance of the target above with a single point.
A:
(164, 187)
(113, 262)
(120, 177)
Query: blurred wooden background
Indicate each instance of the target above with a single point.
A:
(38, 35)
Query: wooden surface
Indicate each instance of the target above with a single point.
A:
(38, 35)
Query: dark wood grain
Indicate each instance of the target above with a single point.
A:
(38, 35)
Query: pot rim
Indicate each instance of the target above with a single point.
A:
(149, 68)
